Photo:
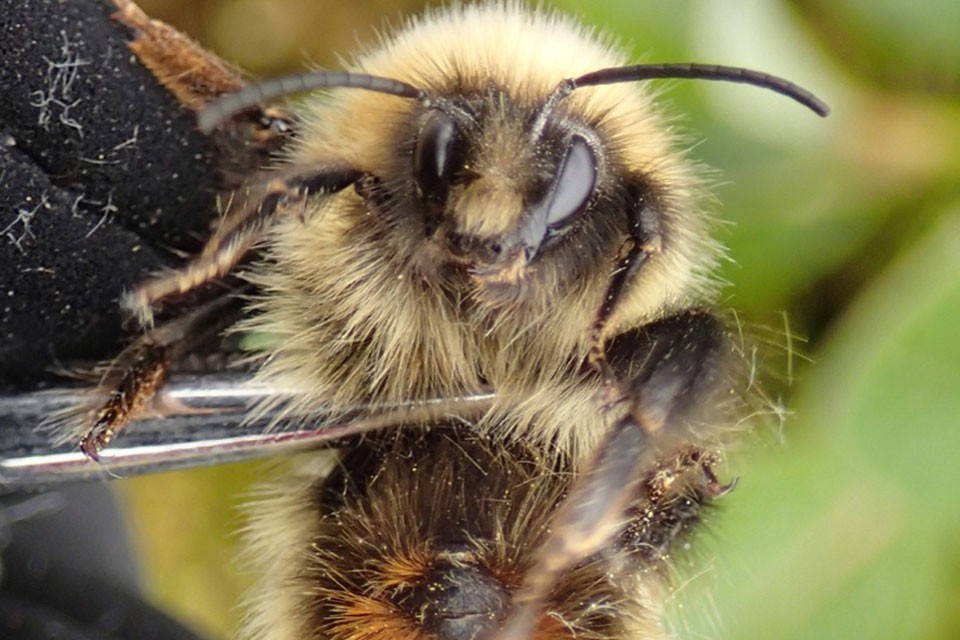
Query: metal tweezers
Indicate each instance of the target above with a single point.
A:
(213, 428)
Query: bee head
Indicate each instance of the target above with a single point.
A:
(522, 193)
(494, 195)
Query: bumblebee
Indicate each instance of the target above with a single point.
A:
(489, 200)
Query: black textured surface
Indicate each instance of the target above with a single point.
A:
(104, 177)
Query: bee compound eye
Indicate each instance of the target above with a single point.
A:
(574, 184)
(438, 153)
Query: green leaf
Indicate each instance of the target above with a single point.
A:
(850, 530)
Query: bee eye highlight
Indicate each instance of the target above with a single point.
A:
(574, 183)
(569, 192)
(439, 151)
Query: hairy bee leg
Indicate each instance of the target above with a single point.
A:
(138, 373)
(679, 366)
(234, 238)
(194, 76)
(591, 515)
(138, 385)
(626, 267)
(646, 240)
(673, 498)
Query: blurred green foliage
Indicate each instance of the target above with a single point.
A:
(846, 522)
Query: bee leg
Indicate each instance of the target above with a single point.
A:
(671, 368)
(674, 496)
(131, 382)
(194, 76)
(141, 377)
(645, 241)
(234, 237)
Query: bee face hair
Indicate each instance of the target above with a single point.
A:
(488, 239)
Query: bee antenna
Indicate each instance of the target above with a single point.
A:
(716, 72)
(228, 106)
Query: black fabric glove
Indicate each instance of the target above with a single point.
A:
(103, 178)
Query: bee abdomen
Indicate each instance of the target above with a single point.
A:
(457, 601)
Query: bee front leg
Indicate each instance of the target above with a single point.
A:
(236, 235)
(670, 373)
(132, 381)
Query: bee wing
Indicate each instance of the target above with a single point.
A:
(206, 421)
